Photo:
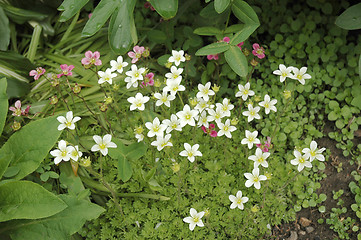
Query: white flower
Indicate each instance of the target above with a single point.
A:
(118, 65)
(204, 91)
(187, 116)
(172, 124)
(75, 154)
(268, 104)
(67, 121)
(252, 113)
(102, 145)
(138, 101)
(216, 115)
(244, 91)
(201, 105)
(300, 161)
(254, 178)
(194, 219)
(238, 200)
(175, 73)
(300, 74)
(226, 107)
(313, 153)
(203, 120)
(260, 158)
(135, 73)
(162, 142)
(283, 72)
(131, 82)
(173, 86)
(190, 151)
(226, 128)
(163, 98)
(177, 57)
(139, 137)
(106, 76)
(155, 128)
(63, 153)
(251, 138)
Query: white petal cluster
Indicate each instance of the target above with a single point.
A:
(138, 102)
(254, 178)
(268, 104)
(177, 57)
(67, 121)
(102, 144)
(106, 76)
(251, 138)
(238, 200)
(252, 113)
(190, 151)
(244, 91)
(195, 219)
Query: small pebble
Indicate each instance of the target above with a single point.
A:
(298, 227)
(293, 236)
(309, 229)
(302, 233)
(305, 222)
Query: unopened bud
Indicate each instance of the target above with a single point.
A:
(108, 100)
(103, 107)
(215, 88)
(193, 101)
(255, 208)
(54, 100)
(76, 89)
(287, 94)
(175, 167)
(187, 57)
(16, 126)
(157, 83)
(245, 52)
(168, 64)
(207, 212)
(85, 162)
(234, 121)
(254, 62)
(257, 98)
(116, 87)
(55, 82)
(138, 130)
(268, 175)
(146, 52)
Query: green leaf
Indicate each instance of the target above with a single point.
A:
(70, 8)
(213, 48)
(323, 197)
(166, 8)
(20, 16)
(4, 104)
(322, 209)
(124, 154)
(350, 19)
(157, 36)
(237, 61)
(67, 178)
(243, 34)
(207, 31)
(244, 12)
(221, 5)
(59, 226)
(27, 200)
(356, 101)
(29, 146)
(100, 15)
(332, 116)
(4, 31)
(122, 32)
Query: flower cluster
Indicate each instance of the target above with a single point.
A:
(293, 73)
(309, 154)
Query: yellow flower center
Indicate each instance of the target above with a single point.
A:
(102, 146)
(284, 74)
(239, 201)
(302, 160)
(256, 179)
(299, 76)
(63, 153)
(245, 92)
(260, 159)
(196, 219)
(190, 154)
(226, 128)
(74, 153)
(251, 139)
(175, 76)
(136, 74)
(252, 113)
(18, 112)
(68, 124)
(155, 128)
(266, 105)
(138, 55)
(188, 116)
(313, 153)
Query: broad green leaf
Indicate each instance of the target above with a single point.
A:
(27, 200)
(4, 31)
(100, 15)
(125, 170)
(4, 104)
(243, 34)
(124, 154)
(30, 145)
(207, 31)
(237, 61)
(213, 48)
(244, 12)
(59, 226)
(70, 8)
(234, 28)
(350, 19)
(166, 8)
(221, 5)
(122, 32)
(356, 101)
(20, 16)
(157, 36)
(67, 178)
(162, 60)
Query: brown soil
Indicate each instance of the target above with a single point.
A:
(333, 182)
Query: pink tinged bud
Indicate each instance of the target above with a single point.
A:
(210, 57)
(26, 111)
(265, 149)
(90, 15)
(37, 73)
(204, 129)
(258, 145)
(240, 44)
(211, 126)
(213, 133)
(226, 39)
